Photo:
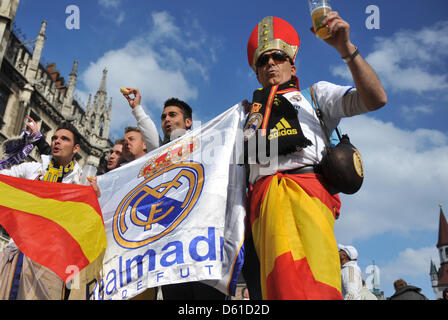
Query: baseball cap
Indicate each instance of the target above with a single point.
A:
(350, 250)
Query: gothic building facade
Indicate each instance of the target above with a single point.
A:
(28, 88)
(439, 278)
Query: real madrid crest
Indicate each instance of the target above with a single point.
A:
(253, 123)
(296, 98)
(158, 205)
(171, 187)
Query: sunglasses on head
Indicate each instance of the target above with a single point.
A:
(278, 56)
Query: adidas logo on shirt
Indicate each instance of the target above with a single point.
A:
(282, 128)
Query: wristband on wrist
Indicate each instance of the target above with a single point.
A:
(349, 58)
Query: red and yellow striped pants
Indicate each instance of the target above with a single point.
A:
(292, 219)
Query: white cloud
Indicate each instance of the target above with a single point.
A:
(109, 3)
(341, 71)
(134, 66)
(189, 36)
(164, 27)
(160, 63)
(409, 60)
(406, 177)
(412, 113)
(120, 18)
(408, 264)
(110, 11)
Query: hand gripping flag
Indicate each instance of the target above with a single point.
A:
(176, 215)
(57, 225)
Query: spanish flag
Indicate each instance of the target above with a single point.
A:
(292, 219)
(57, 225)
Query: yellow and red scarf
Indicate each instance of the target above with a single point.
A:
(56, 173)
(275, 118)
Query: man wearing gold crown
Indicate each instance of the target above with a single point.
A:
(291, 210)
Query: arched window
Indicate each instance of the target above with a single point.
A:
(92, 122)
(101, 126)
(4, 96)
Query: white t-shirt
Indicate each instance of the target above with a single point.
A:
(32, 171)
(147, 128)
(351, 281)
(335, 103)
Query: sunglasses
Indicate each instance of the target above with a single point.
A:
(278, 56)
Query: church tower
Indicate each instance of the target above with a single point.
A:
(39, 43)
(8, 11)
(434, 274)
(67, 106)
(442, 246)
(98, 114)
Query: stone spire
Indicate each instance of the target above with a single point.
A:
(433, 274)
(70, 93)
(107, 120)
(100, 100)
(442, 245)
(109, 110)
(103, 82)
(74, 69)
(88, 104)
(8, 11)
(98, 114)
(37, 53)
(443, 230)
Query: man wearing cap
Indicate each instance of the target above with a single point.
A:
(351, 275)
(291, 210)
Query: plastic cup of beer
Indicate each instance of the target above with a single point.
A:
(88, 172)
(319, 10)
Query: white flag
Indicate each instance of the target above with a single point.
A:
(176, 214)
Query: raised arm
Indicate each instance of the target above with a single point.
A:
(366, 81)
(144, 122)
